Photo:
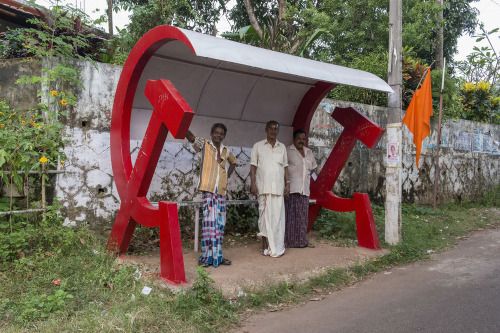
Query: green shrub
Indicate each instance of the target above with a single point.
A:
(39, 307)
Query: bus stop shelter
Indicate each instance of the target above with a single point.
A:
(176, 79)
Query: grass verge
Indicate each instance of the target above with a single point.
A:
(63, 280)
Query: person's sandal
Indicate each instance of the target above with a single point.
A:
(203, 264)
(226, 262)
(311, 245)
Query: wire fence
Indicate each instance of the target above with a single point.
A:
(26, 193)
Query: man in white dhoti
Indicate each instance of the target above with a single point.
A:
(269, 182)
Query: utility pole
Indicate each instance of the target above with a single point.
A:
(394, 125)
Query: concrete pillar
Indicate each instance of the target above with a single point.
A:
(394, 131)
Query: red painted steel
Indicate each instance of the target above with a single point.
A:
(356, 127)
(170, 112)
(308, 105)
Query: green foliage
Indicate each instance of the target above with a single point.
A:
(483, 64)
(241, 218)
(5, 204)
(12, 244)
(341, 226)
(416, 210)
(334, 225)
(294, 32)
(12, 45)
(460, 18)
(198, 16)
(414, 72)
(450, 93)
(58, 271)
(19, 237)
(477, 103)
(39, 307)
(102, 291)
(375, 63)
(490, 198)
(63, 32)
(29, 141)
(203, 285)
(356, 30)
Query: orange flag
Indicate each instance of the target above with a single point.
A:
(418, 114)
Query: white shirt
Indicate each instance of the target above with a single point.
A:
(270, 162)
(299, 169)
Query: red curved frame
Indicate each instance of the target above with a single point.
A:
(172, 113)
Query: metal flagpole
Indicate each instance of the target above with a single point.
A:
(436, 173)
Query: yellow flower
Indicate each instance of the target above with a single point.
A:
(0, 87)
(63, 102)
(2, 126)
(23, 122)
(1, 112)
(61, 163)
(39, 127)
(54, 93)
(43, 159)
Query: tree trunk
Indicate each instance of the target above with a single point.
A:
(110, 27)
(440, 38)
(253, 19)
(281, 9)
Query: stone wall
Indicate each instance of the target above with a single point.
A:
(89, 195)
(468, 162)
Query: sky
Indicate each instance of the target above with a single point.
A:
(489, 13)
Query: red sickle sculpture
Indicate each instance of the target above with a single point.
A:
(356, 127)
(171, 112)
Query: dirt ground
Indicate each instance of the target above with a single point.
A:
(249, 269)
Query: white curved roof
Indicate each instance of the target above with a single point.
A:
(229, 51)
(240, 85)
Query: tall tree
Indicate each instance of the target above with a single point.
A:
(360, 27)
(280, 25)
(197, 15)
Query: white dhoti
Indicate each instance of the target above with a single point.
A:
(272, 222)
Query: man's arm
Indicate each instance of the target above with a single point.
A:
(253, 184)
(231, 169)
(190, 136)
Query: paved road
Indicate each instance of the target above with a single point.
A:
(457, 291)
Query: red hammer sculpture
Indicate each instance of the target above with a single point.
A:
(356, 127)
